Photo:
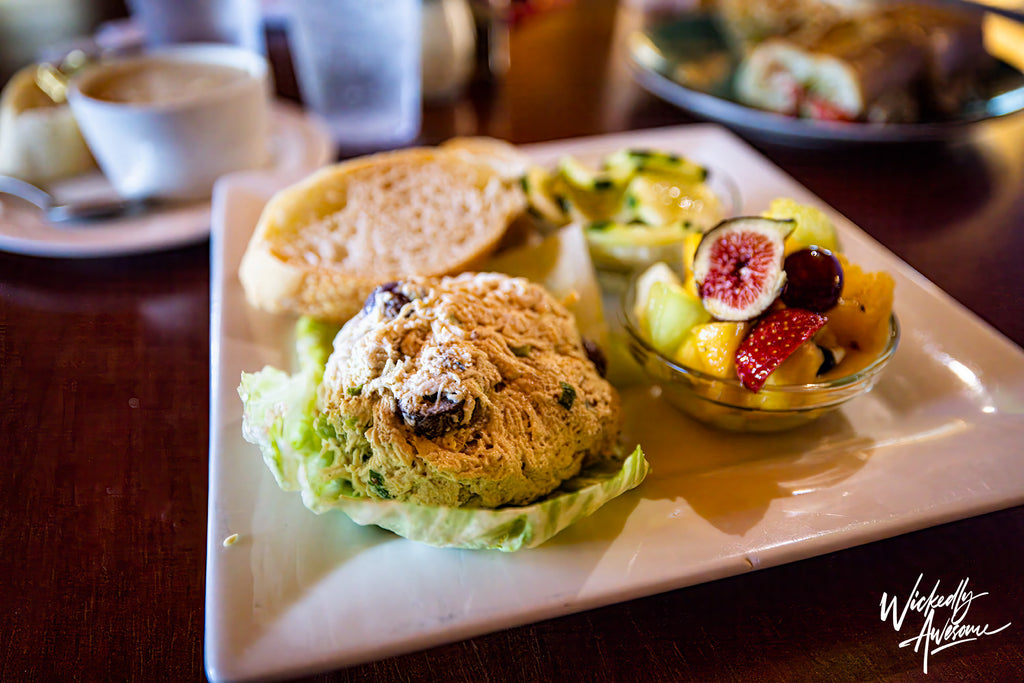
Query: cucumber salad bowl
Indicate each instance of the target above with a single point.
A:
(637, 207)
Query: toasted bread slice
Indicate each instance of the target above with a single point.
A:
(322, 245)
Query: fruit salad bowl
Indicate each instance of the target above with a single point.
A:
(726, 404)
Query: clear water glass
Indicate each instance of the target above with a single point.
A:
(358, 67)
(237, 22)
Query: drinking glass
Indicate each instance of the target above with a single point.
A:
(238, 22)
(358, 66)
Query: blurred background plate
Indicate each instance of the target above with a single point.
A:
(686, 61)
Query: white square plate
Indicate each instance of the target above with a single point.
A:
(937, 440)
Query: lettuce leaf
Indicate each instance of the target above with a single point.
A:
(279, 413)
(508, 528)
(279, 408)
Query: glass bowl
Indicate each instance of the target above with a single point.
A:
(727, 404)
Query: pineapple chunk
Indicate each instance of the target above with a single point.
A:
(711, 348)
(813, 227)
(801, 367)
(860, 321)
(690, 245)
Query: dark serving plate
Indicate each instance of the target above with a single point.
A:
(687, 62)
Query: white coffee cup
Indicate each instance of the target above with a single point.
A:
(168, 123)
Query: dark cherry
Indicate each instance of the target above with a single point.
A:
(814, 280)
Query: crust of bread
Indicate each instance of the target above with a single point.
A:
(322, 245)
(504, 158)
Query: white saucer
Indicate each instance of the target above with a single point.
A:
(299, 144)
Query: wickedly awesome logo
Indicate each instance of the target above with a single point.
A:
(945, 618)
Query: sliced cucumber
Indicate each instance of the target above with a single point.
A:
(545, 200)
(620, 164)
(657, 199)
(659, 161)
(583, 178)
(610, 233)
(579, 176)
(638, 207)
(628, 246)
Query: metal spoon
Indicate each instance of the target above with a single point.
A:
(79, 212)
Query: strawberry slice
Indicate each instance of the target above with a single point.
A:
(773, 340)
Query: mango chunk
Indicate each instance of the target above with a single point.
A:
(860, 321)
(711, 348)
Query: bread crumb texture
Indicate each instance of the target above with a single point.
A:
(473, 390)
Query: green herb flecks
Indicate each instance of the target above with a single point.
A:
(377, 485)
(567, 397)
(522, 351)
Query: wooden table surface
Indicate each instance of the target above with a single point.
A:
(104, 380)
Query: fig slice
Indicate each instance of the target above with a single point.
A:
(738, 266)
